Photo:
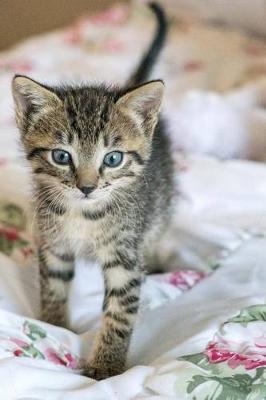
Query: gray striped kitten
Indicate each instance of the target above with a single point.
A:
(102, 176)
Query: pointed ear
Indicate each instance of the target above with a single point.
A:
(143, 104)
(30, 96)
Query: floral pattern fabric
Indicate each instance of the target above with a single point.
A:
(14, 241)
(231, 364)
(232, 367)
(33, 341)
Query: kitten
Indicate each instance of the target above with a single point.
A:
(102, 175)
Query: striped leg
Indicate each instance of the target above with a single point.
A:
(122, 289)
(56, 272)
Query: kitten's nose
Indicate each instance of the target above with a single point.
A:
(87, 189)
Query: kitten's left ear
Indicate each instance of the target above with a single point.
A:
(143, 104)
(30, 97)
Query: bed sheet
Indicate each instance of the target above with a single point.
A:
(201, 331)
(214, 77)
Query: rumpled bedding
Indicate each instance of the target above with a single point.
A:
(201, 330)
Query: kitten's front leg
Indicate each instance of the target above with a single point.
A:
(122, 279)
(56, 272)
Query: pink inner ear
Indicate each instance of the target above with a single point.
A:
(147, 98)
(23, 101)
(24, 93)
(147, 104)
(144, 99)
(27, 92)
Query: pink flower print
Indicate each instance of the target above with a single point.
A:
(9, 233)
(113, 46)
(216, 354)
(16, 66)
(21, 66)
(52, 356)
(114, 16)
(192, 66)
(19, 342)
(71, 361)
(260, 342)
(185, 279)
(18, 353)
(241, 341)
(73, 36)
(61, 359)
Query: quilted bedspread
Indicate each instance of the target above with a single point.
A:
(201, 331)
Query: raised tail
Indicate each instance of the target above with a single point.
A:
(150, 57)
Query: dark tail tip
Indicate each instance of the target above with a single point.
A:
(150, 57)
(160, 14)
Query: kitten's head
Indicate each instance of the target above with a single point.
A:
(86, 142)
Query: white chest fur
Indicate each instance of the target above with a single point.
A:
(77, 234)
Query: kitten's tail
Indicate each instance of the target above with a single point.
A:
(150, 57)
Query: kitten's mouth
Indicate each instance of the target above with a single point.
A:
(97, 195)
(86, 197)
(89, 197)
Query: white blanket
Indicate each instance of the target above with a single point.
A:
(224, 224)
(201, 332)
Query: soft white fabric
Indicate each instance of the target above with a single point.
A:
(218, 228)
(229, 224)
(230, 125)
(202, 67)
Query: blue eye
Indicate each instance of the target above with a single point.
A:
(113, 159)
(61, 157)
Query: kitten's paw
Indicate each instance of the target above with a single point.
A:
(100, 373)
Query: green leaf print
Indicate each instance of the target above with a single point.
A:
(201, 360)
(237, 387)
(33, 331)
(31, 351)
(211, 377)
(197, 380)
(12, 215)
(258, 392)
(259, 385)
(22, 243)
(250, 314)
(214, 265)
(6, 246)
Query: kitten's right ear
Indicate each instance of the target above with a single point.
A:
(143, 103)
(30, 96)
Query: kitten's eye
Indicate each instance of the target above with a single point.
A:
(61, 157)
(113, 159)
